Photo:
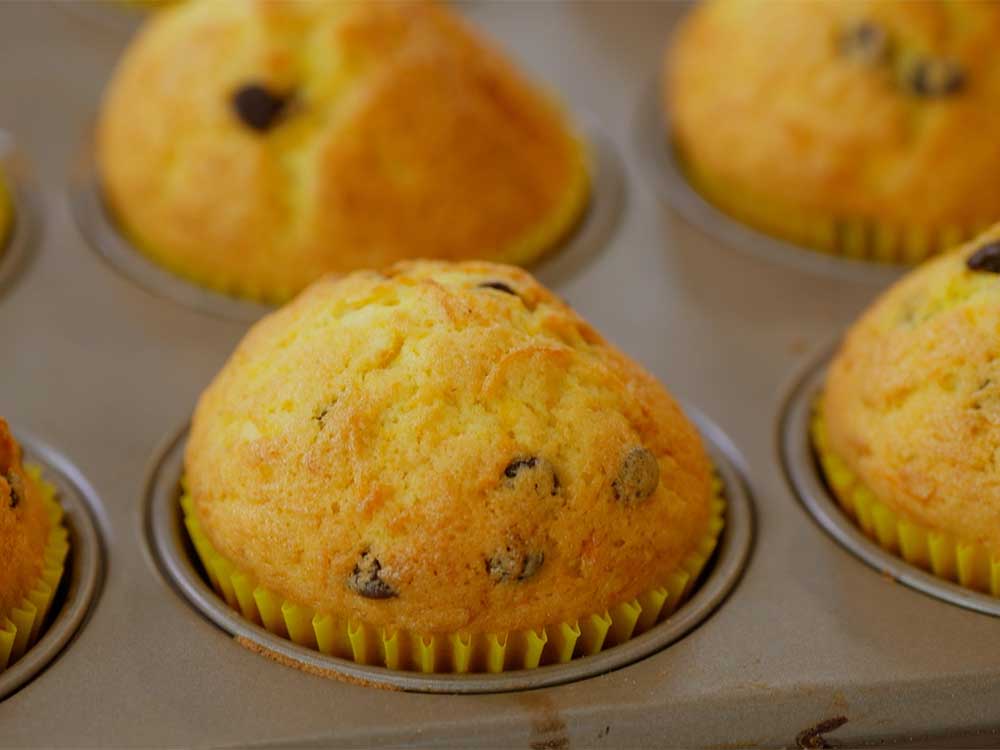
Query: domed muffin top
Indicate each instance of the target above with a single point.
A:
(444, 447)
(912, 400)
(876, 109)
(24, 525)
(254, 145)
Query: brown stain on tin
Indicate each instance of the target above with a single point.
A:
(548, 729)
(330, 674)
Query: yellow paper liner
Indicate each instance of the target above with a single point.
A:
(22, 625)
(459, 652)
(970, 564)
(854, 237)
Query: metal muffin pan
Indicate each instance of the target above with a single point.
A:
(82, 578)
(101, 368)
(806, 477)
(587, 238)
(169, 539)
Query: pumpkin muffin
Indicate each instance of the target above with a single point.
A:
(445, 454)
(33, 548)
(252, 146)
(863, 129)
(909, 426)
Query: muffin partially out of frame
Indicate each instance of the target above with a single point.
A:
(33, 547)
(252, 146)
(6, 212)
(908, 430)
(444, 468)
(862, 129)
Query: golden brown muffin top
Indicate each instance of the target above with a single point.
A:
(24, 525)
(883, 110)
(912, 401)
(254, 145)
(444, 447)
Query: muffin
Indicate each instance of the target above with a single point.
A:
(254, 146)
(908, 425)
(444, 468)
(6, 213)
(33, 547)
(862, 129)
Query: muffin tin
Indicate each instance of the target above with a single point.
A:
(811, 644)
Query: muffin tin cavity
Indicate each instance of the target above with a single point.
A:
(113, 17)
(666, 177)
(803, 472)
(570, 256)
(17, 241)
(83, 573)
(178, 561)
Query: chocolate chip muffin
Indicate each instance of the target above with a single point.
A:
(447, 450)
(908, 427)
(862, 129)
(252, 146)
(32, 550)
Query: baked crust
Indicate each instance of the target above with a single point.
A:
(777, 122)
(24, 526)
(403, 134)
(388, 417)
(912, 400)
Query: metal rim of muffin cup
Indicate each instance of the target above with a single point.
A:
(15, 250)
(587, 238)
(805, 476)
(176, 561)
(84, 571)
(666, 176)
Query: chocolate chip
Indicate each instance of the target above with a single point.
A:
(638, 476)
(365, 580)
(935, 77)
(498, 285)
(258, 107)
(14, 482)
(532, 474)
(986, 258)
(865, 42)
(513, 564)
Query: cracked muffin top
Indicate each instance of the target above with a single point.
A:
(912, 400)
(24, 526)
(252, 146)
(802, 114)
(444, 447)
